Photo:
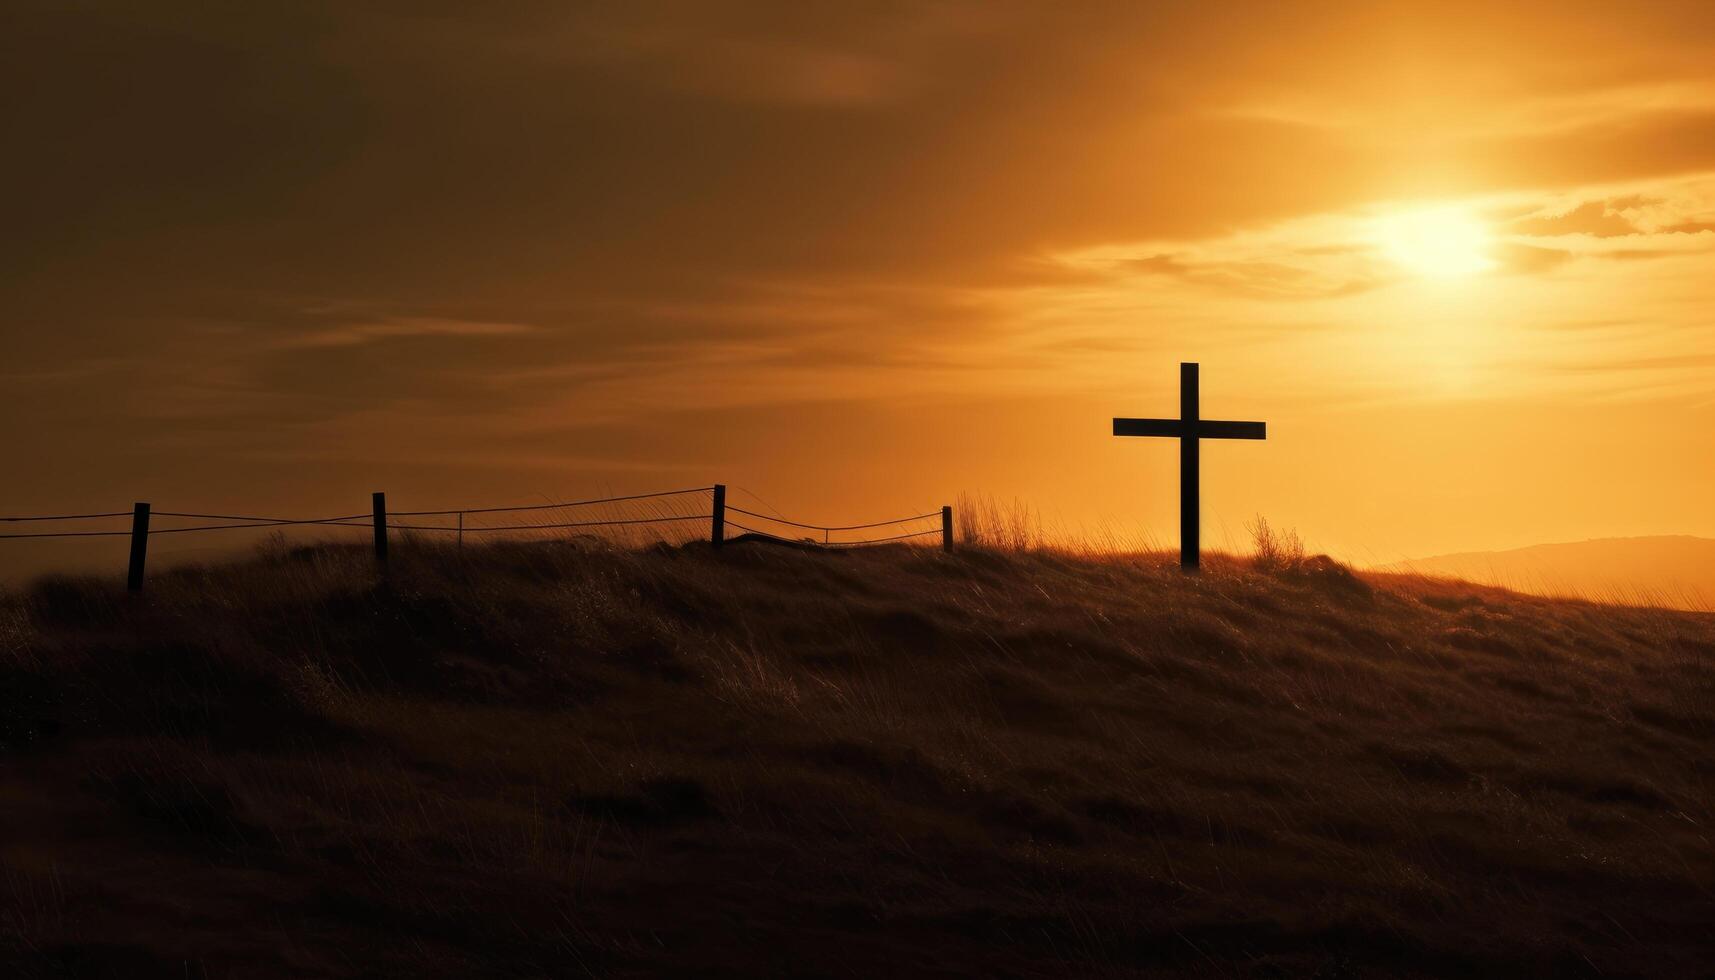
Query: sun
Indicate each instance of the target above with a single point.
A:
(1436, 243)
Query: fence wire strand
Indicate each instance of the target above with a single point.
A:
(811, 542)
(470, 528)
(262, 520)
(233, 527)
(66, 517)
(833, 527)
(894, 537)
(569, 503)
(70, 534)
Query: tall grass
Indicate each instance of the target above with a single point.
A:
(1275, 550)
(986, 521)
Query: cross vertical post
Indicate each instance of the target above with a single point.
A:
(1190, 470)
(946, 527)
(1190, 429)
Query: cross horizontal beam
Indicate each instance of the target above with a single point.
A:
(1175, 429)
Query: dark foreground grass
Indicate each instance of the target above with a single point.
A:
(560, 761)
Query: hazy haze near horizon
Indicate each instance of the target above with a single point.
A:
(1676, 571)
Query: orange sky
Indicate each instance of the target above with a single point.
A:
(858, 258)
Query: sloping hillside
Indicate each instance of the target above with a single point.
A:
(545, 761)
(1677, 570)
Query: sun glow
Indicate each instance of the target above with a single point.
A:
(1436, 243)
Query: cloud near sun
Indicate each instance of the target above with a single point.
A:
(1329, 255)
(1592, 292)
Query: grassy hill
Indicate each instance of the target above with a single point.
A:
(558, 760)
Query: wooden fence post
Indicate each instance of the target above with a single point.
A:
(139, 547)
(947, 528)
(379, 502)
(717, 529)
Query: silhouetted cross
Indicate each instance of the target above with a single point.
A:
(1189, 428)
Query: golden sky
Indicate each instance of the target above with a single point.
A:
(857, 258)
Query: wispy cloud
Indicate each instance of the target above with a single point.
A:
(363, 333)
(1482, 108)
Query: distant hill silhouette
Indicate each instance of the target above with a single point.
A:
(1672, 570)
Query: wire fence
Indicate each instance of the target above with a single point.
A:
(651, 511)
(828, 530)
